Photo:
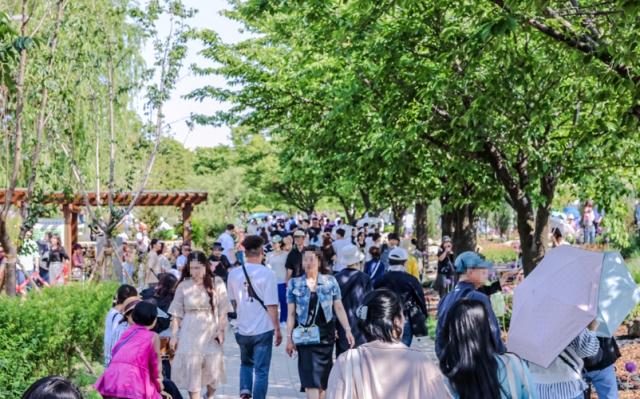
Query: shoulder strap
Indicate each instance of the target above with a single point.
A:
(114, 317)
(373, 273)
(348, 378)
(316, 314)
(523, 376)
(357, 372)
(255, 295)
(115, 351)
(511, 378)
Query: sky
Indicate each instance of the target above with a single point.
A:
(177, 108)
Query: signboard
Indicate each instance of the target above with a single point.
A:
(55, 226)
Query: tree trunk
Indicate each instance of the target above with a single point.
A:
(466, 227)
(422, 226)
(446, 221)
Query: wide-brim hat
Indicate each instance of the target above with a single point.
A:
(350, 254)
(130, 303)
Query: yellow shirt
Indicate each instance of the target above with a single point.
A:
(412, 267)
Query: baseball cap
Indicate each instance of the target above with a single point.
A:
(446, 239)
(299, 233)
(470, 260)
(398, 253)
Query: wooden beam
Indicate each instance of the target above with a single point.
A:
(67, 228)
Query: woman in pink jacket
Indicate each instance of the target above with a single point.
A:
(134, 371)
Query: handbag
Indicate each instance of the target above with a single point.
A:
(309, 335)
(418, 321)
(526, 390)
(354, 373)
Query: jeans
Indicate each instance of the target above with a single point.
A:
(44, 274)
(282, 296)
(240, 256)
(407, 335)
(255, 356)
(604, 381)
(590, 235)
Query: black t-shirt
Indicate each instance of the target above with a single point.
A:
(294, 263)
(222, 267)
(445, 266)
(316, 230)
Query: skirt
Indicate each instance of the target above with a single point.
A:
(314, 365)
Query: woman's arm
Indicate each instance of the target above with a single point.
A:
(291, 307)
(175, 326)
(443, 256)
(338, 307)
(156, 347)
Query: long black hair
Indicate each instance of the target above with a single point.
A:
(52, 386)
(384, 307)
(209, 276)
(468, 351)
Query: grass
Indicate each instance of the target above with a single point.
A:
(498, 253)
(634, 267)
(84, 381)
(431, 325)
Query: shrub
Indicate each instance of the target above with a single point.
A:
(39, 334)
(499, 253)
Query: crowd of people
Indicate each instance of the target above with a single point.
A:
(329, 291)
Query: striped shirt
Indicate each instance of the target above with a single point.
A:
(584, 345)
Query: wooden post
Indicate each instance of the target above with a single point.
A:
(74, 228)
(186, 222)
(67, 228)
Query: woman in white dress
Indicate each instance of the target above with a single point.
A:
(276, 261)
(199, 310)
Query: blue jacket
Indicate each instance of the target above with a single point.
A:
(299, 293)
(451, 298)
(369, 268)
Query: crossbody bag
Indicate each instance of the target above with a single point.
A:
(511, 378)
(307, 335)
(251, 291)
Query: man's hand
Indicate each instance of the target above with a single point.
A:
(278, 337)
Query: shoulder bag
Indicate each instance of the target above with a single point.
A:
(307, 335)
(250, 290)
(353, 373)
(417, 319)
(511, 377)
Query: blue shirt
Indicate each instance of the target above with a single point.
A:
(522, 393)
(299, 293)
(451, 298)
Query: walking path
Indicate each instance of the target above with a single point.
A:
(283, 375)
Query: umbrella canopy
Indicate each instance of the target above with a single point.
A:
(280, 214)
(565, 228)
(618, 294)
(372, 221)
(259, 215)
(555, 303)
(572, 211)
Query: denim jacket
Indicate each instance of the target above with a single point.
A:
(327, 289)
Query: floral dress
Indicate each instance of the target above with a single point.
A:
(199, 359)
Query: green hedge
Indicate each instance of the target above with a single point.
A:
(39, 334)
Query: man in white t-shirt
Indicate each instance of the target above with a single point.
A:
(407, 220)
(228, 244)
(338, 244)
(257, 322)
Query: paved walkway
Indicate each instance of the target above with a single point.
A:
(284, 382)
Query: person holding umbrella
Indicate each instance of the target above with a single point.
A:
(563, 378)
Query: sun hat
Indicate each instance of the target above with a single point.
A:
(299, 233)
(350, 254)
(470, 260)
(276, 238)
(407, 245)
(130, 303)
(217, 245)
(398, 254)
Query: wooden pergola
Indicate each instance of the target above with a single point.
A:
(70, 205)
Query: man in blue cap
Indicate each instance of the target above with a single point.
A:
(473, 273)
